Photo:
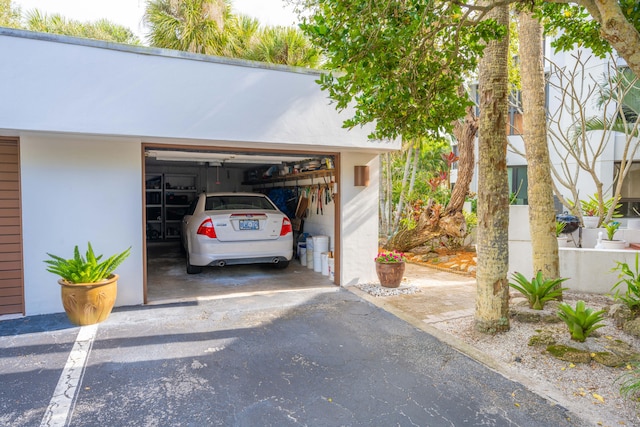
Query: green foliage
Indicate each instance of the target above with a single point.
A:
(471, 219)
(9, 14)
(631, 279)
(560, 228)
(581, 321)
(539, 290)
(99, 30)
(572, 26)
(611, 227)
(85, 269)
(390, 257)
(399, 64)
(209, 27)
(591, 206)
(630, 382)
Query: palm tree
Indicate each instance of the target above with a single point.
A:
(196, 26)
(9, 15)
(285, 45)
(100, 30)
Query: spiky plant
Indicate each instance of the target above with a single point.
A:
(539, 290)
(85, 269)
(582, 321)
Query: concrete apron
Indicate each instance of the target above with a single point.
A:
(167, 280)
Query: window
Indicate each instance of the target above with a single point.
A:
(630, 194)
(518, 185)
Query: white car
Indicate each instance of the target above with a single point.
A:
(235, 228)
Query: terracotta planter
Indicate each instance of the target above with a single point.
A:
(390, 274)
(89, 303)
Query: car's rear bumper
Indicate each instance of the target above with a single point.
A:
(217, 253)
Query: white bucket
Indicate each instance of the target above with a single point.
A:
(303, 256)
(332, 268)
(325, 263)
(320, 245)
(310, 252)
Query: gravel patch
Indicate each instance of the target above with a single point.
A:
(592, 389)
(380, 291)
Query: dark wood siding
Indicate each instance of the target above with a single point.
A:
(11, 273)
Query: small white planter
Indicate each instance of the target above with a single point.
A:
(613, 244)
(590, 221)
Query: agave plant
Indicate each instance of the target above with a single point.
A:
(85, 269)
(539, 290)
(581, 321)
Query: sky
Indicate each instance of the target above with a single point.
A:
(129, 12)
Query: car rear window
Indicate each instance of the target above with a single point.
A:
(219, 203)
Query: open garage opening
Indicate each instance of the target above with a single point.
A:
(302, 185)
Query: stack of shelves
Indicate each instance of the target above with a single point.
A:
(168, 197)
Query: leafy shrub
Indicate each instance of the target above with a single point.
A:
(631, 297)
(390, 257)
(581, 321)
(539, 290)
(87, 269)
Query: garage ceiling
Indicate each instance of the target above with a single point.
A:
(221, 159)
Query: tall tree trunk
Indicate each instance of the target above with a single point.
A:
(492, 302)
(542, 220)
(403, 189)
(465, 132)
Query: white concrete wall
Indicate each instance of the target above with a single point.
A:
(359, 220)
(77, 190)
(83, 108)
(587, 269)
(60, 84)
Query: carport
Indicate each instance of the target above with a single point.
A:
(86, 115)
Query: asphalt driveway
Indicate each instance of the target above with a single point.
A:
(319, 357)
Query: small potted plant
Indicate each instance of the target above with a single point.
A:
(390, 268)
(590, 209)
(88, 285)
(609, 243)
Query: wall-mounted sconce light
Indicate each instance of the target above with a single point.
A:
(361, 176)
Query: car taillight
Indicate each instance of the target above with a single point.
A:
(286, 227)
(206, 229)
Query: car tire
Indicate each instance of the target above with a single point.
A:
(192, 269)
(281, 265)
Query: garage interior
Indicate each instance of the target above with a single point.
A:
(303, 185)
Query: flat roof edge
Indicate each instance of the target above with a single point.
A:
(153, 51)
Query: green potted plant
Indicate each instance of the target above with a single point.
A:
(390, 267)
(591, 214)
(610, 243)
(88, 285)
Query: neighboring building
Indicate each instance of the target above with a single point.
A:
(82, 124)
(564, 112)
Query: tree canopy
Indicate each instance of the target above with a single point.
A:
(400, 63)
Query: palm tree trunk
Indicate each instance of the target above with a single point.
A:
(542, 218)
(492, 302)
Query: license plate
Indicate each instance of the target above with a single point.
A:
(249, 224)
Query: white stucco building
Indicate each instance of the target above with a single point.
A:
(79, 120)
